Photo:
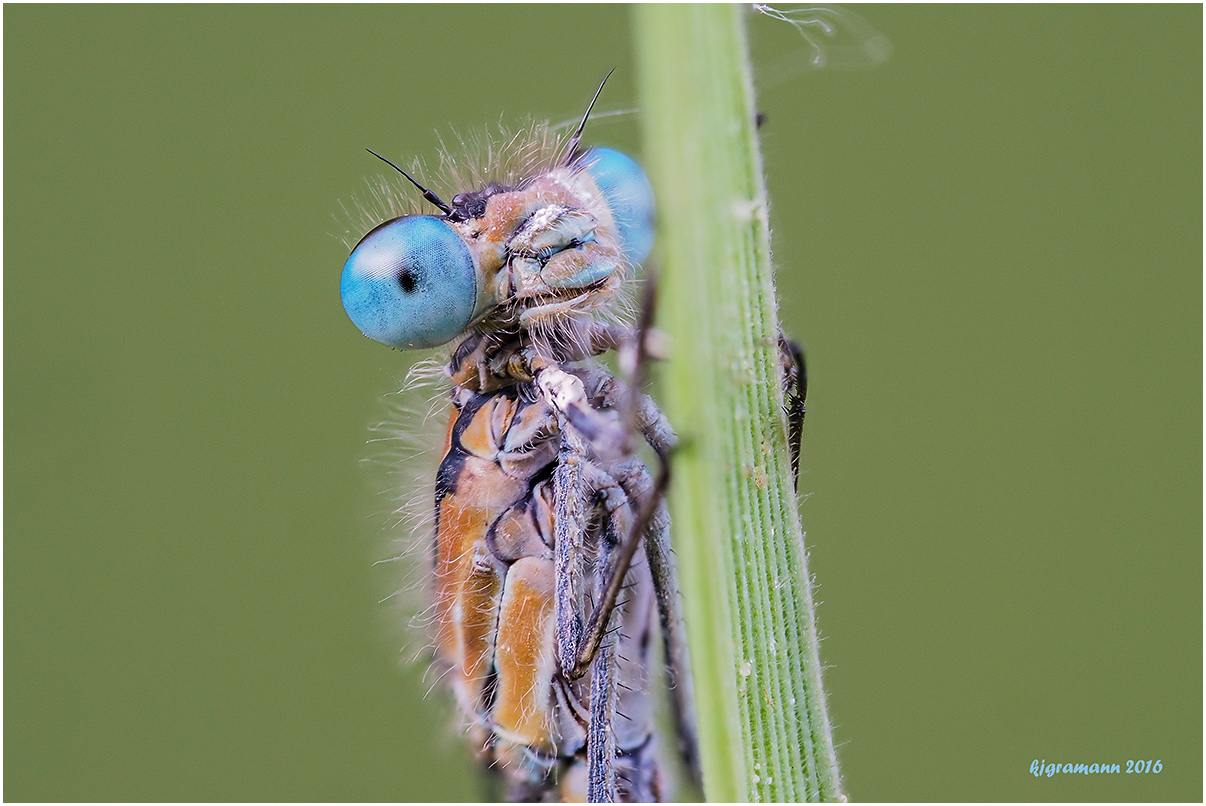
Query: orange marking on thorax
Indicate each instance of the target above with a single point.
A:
(478, 624)
(525, 657)
(483, 492)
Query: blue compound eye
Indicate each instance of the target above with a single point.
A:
(411, 282)
(629, 194)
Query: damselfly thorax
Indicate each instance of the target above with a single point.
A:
(502, 501)
(552, 567)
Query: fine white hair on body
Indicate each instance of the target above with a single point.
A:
(404, 451)
(501, 154)
(465, 162)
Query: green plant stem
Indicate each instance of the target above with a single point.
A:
(764, 731)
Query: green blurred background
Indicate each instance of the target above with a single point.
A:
(991, 246)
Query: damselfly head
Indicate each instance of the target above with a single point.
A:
(514, 252)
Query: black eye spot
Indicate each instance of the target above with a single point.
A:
(407, 280)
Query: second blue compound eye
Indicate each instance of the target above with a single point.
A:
(409, 283)
(629, 194)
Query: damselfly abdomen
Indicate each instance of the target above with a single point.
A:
(550, 546)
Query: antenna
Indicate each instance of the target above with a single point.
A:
(577, 138)
(427, 194)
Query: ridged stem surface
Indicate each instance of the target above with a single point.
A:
(764, 731)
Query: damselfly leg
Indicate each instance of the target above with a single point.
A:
(593, 402)
(795, 390)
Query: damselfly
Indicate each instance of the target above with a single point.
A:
(551, 551)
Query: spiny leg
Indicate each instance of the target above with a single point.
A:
(596, 628)
(585, 430)
(600, 738)
(570, 492)
(577, 479)
(609, 502)
(634, 477)
(795, 390)
(600, 742)
(579, 422)
(566, 393)
(583, 490)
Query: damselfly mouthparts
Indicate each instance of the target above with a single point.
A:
(552, 565)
